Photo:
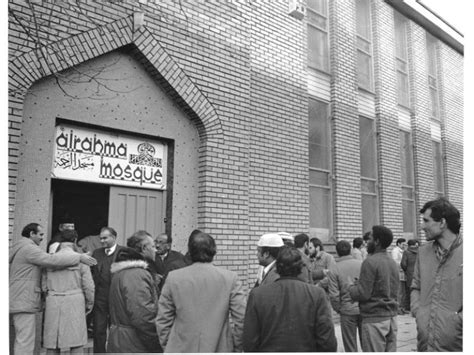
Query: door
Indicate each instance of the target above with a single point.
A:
(133, 209)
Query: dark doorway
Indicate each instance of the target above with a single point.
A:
(86, 203)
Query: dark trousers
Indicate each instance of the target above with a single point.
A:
(350, 325)
(101, 325)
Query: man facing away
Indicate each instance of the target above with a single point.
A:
(26, 259)
(376, 290)
(301, 244)
(288, 315)
(397, 254)
(268, 247)
(437, 287)
(344, 273)
(166, 259)
(101, 273)
(196, 302)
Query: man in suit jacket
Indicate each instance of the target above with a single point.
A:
(195, 304)
(288, 315)
(105, 256)
(166, 259)
(268, 247)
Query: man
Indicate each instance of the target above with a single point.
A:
(408, 265)
(288, 315)
(301, 244)
(321, 263)
(133, 298)
(65, 223)
(268, 247)
(345, 272)
(356, 252)
(437, 287)
(376, 291)
(26, 259)
(166, 259)
(397, 254)
(101, 273)
(195, 304)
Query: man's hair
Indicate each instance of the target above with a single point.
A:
(69, 235)
(194, 232)
(289, 262)
(366, 236)
(383, 235)
(442, 208)
(137, 240)
(412, 242)
(66, 219)
(110, 230)
(169, 239)
(273, 251)
(201, 247)
(317, 243)
(401, 241)
(30, 227)
(343, 248)
(357, 242)
(300, 239)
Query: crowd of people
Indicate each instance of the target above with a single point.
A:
(147, 298)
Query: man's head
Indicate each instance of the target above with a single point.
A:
(315, 247)
(412, 243)
(439, 217)
(301, 242)
(357, 242)
(379, 239)
(343, 248)
(289, 262)
(143, 243)
(163, 243)
(108, 237)
(66, 223)
(33, 231)
(202, 247)
(268, 247)
(401, 243)
(68, 236)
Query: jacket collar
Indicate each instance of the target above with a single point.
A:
(345, 257)
(128, 264)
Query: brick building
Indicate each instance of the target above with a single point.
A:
(237, 117)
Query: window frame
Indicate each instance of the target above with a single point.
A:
(326, 66)
(360, 50)
(401, 63)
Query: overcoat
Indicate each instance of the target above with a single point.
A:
(194, 309)
(69, 295)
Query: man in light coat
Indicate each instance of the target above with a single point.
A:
(437, 287)
(195, 304)
(26, 259)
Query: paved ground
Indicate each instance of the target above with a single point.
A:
(406, 336)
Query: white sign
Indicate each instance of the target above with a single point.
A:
(91, 155)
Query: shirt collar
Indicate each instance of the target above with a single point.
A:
(112, 249)
(267, 268)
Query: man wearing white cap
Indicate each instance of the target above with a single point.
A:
(267, 251)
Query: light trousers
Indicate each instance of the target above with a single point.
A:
(379, 336)
(350, 325)
(25, 333)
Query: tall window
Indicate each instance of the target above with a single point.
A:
(408, 182)
(319, 166)
(432, 82)
(364, 44)
(401, 56)
(438, 168)
(318, 38)
(368, 172)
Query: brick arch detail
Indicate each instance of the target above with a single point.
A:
(34, 65)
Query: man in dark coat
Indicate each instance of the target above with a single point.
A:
(133, 299)
(288, 315)
(167, 260)
(408, 266)
(105, 256)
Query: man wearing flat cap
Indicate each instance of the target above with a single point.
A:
(267, 251)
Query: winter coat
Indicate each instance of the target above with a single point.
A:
(26, 260)
(132, 306)
(408, 263)
(437, 299)
(319, 264)
(194, 309)
(70, 295)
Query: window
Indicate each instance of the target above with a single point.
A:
(368, 172)
(408, 183)
(432, 81)
(319, 165)
(318, 38)
(364, 44)
(438, 169)
(401, 57)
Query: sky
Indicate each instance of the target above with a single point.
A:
(455, 12)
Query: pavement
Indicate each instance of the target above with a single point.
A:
(406, 335)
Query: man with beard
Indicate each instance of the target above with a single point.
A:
(377, 290)
(437, 287)
(301, 244)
